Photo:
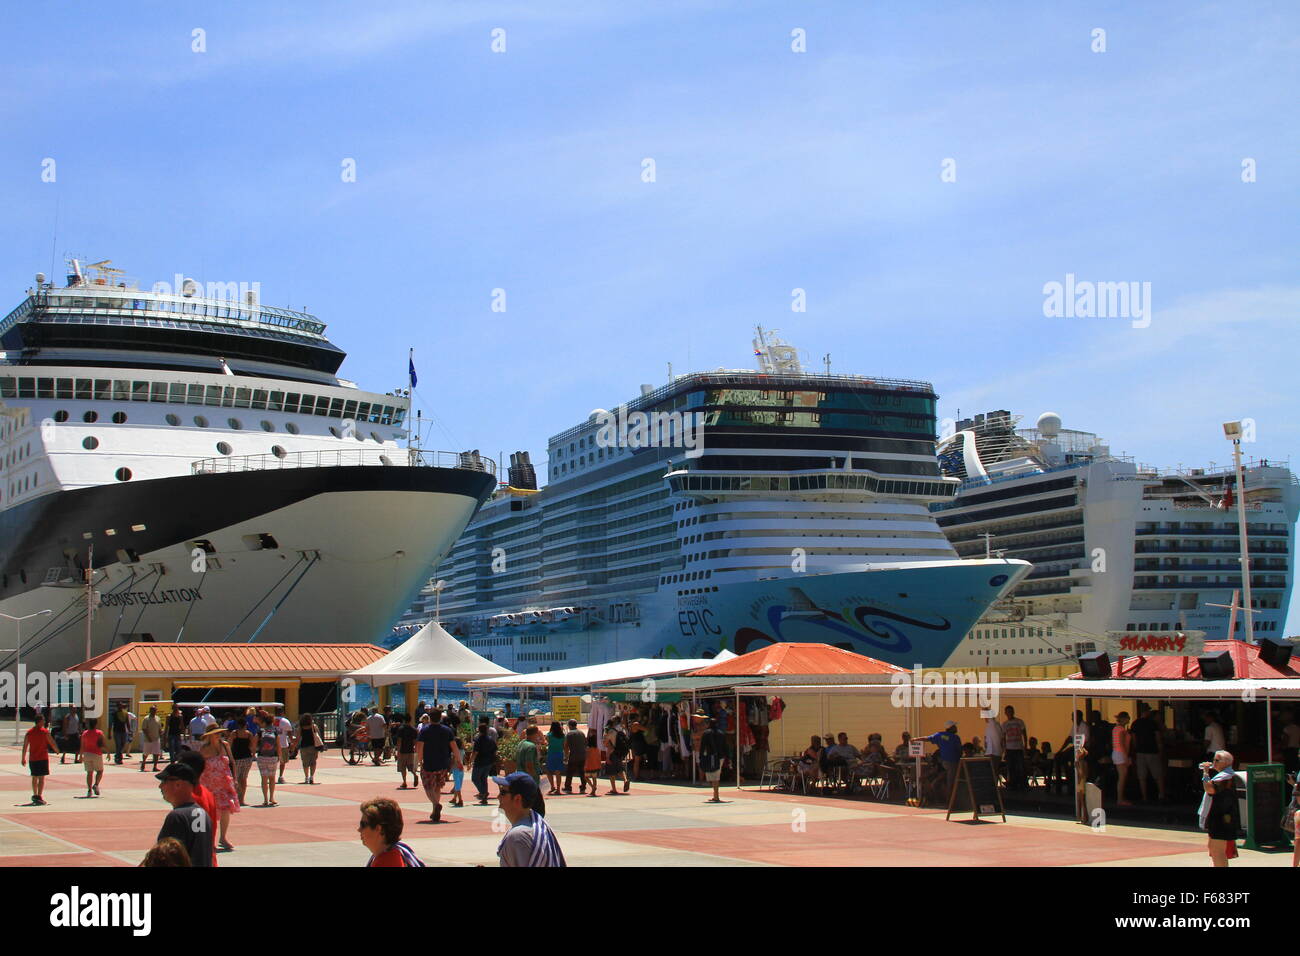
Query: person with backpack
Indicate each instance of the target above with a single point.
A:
(268, 756)
(381, 834)
(616, 744)
(713, 754)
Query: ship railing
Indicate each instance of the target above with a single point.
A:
(342, 458)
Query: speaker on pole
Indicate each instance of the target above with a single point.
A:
(1094, 665)
(1275, 653)
(1217, 666)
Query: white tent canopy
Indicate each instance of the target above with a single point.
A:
(1124, 689)
(611, 672)
(428, 654)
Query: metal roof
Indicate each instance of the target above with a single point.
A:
(187, 659)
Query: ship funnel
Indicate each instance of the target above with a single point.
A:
(522, 474)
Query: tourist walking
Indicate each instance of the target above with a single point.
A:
(381, 834)
(93, 744)
(283, 727)
(1219, 812)
(638, 747)
(310, 744)
(591, 769)
(121, 732)
(150, 738)
(713, 755)
(71, 732)
(268, 757)
(1014, 738)
(529, 841)
(175, 727)
(202, 795)
(555, 762)
(186, 822)
(435, 747)
(219, 780)
(616, 747)
(483, 758)
(38, 743)
(575, 757)
(241, 751)
(527, 758)
(404, 740)
(377, 729)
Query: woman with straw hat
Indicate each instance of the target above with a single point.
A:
(218, 778)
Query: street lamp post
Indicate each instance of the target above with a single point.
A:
(1232, 431)
(18, 659)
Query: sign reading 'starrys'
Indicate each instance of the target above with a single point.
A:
(1180, 643)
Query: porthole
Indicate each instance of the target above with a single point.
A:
(200, 421)
(224, 448)
(90, 443)
(119, 418)
(90, 417)
(173, 419)
(122, 474)
(278, 451)
(291, 428)
(267, 426)
(234, 423)
(334, 431)
(60, 416)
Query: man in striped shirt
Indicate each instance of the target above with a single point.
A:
(529, 841)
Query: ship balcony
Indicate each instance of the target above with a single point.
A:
(341, 458)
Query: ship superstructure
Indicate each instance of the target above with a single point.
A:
(800, 513)
(1117, 547)
(201, 454)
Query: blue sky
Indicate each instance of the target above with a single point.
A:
(775, 170)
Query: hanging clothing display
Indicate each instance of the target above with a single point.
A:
(599, 717)
(777, 708)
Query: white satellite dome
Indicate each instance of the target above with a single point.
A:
(597, 413)
(1049, 424)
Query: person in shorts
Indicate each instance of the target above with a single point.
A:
(39, 744)
(377, 728)
(404, 736)
(284, 728)
(268, 756)
(151, 731)
(436, 748)
(92, 755)
(616, 746)
(71, 736)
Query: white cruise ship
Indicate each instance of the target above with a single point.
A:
(202, 456)
(1116, 547)
(802, 515)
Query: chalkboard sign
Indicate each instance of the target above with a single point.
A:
(977, 781)
(1266, 794)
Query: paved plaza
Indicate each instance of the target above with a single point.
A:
(654, 825)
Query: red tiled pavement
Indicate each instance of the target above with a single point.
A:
(900, 841)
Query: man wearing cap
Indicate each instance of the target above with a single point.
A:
(202, 795)
(949, 744)
(187, 821)
(529, 841)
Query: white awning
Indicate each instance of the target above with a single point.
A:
(608, 673)
(1246, 689)
(428, 654)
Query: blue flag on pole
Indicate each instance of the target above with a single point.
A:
(411, 362)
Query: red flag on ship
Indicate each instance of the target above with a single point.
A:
(1227, 498)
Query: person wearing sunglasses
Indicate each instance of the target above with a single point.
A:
(529, 841)
(381, 833)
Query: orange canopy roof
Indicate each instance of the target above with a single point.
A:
(246, 659)
(792, 659)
